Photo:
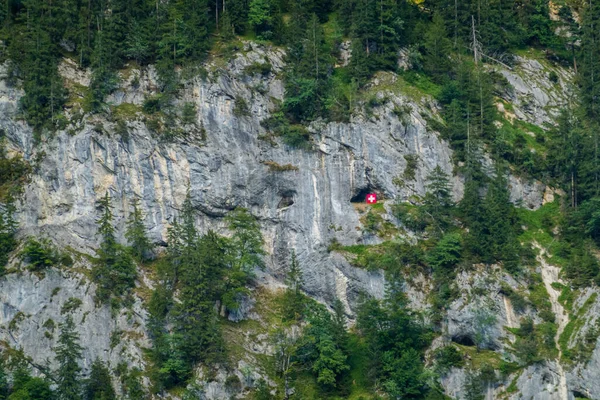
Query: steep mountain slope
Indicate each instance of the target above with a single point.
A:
(305, 200)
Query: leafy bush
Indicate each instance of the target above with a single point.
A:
(40, 254)
(447, 253)
(233, 384)
(257, 68)
(412, 163)
(153, 104)
(240, 108)
(188, 113)
(297, 136)
(410, 216)
(71, 304)
(447, 357)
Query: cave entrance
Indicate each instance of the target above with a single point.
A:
(361, 195)
(464, 340)
(579, 395)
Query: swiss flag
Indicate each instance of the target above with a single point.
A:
(372, 198)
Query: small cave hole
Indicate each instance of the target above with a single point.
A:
(579, 395)
(285, 201)
(361, 195)
(464, 340)
(547, 379)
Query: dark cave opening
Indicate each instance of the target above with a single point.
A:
(464, 340)
(285, 201)
(361, 195)
(579, 395)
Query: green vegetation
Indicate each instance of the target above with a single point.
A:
(26, 387)
(42, 254)
(576, 322)
(70, 305)
(136, 235)
(204, 269)
(114, 270)
(14, 172)
(535, 343)
(68, 354)
(99, 384)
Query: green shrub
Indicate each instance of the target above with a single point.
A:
(412, 163)
(40, 254)
(258, 68)
(153, 104)
(49, 324)
(233, 384)
(122, 130)
(447, 357)
(115, 338)
(410, 216)
(240, 108)
(14, 173)
(17, 319)
(297, 136)
(70, 305)
(447, 253)
(518, 302)
(188, 113)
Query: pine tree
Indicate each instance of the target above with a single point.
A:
(99, 385)
(138, 42)
(25, 387)
(294, 299)
(345, 10)
(340, 335)
(114, 270)
(260, 18)
(437, 48)
(3, 383)
(565, 155)
(245, 250)
(200, 279)
(197, 27)
(500, 221)
(365, 25)
(326, 355)
(331, 361)
(238, 14)
(136, 234)
(68, 354)
(438, 198)
(104, 79)
(35, 61)
(446, 254)
(390, 30)
(133, 386)
(8, 229)
(360, 64)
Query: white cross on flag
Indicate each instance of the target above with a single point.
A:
(372, 198)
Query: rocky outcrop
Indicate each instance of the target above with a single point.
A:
(223, 158)
(537, 91)
(33, 307)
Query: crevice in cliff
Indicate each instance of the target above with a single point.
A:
(550, 274)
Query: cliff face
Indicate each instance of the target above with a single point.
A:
(226, 158)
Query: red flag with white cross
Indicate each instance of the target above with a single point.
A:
(372, 198)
